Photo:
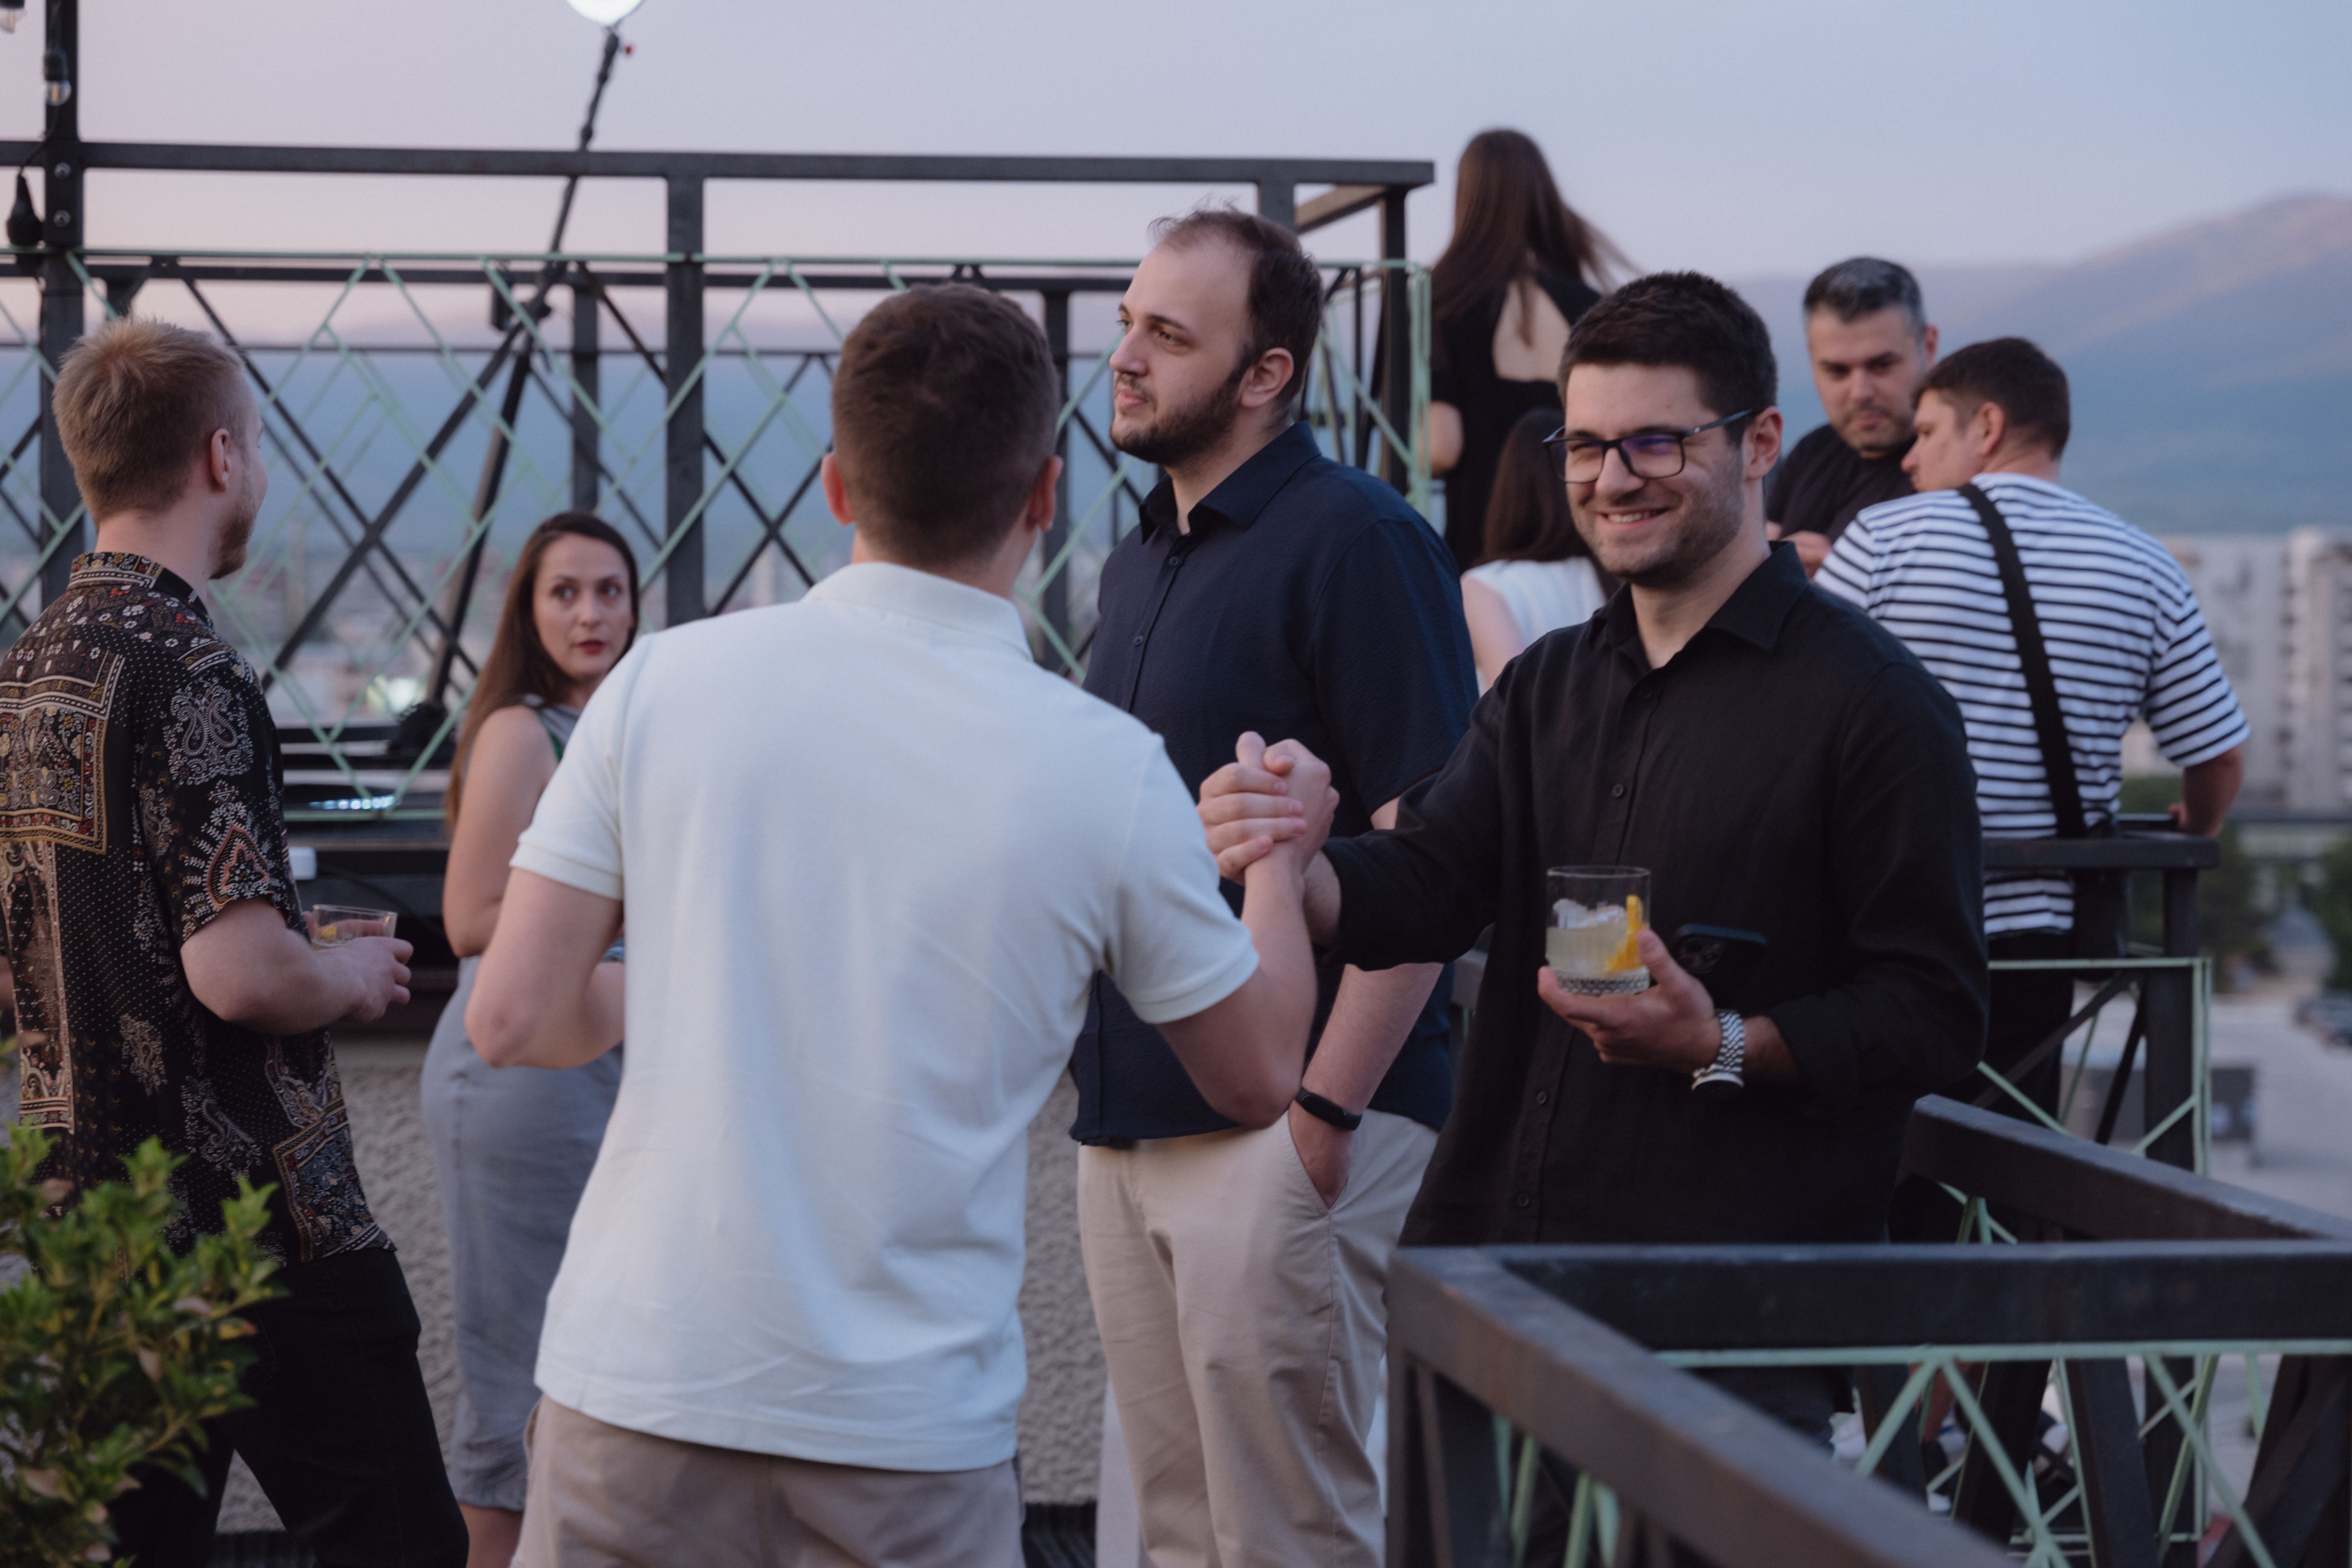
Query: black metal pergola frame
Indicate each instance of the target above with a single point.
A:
(65, 161)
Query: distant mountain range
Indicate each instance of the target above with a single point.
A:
(2211, 365)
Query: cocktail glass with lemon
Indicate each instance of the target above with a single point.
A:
(1596, 913)
(332, 925)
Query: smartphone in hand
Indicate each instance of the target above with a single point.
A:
(1723, 959)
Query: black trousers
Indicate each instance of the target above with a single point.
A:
(2028, 1006)
(339, 1433)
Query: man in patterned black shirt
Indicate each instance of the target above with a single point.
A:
(164, 985)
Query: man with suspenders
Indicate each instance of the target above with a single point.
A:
(2055, 624)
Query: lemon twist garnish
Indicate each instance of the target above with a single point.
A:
(1628, 955)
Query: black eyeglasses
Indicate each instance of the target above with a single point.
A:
(1648, 457)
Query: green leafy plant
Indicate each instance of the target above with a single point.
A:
(114, 1350)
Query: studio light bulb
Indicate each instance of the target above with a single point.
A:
(607, 13)
(58, 92)
(53, 71)
(11, 13)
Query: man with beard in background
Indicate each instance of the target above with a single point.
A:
(1867, 335)
(1238, 1276)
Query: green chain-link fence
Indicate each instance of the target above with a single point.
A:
(387, 381)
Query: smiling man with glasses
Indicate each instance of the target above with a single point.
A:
(1779, 765)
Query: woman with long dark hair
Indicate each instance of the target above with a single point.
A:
(512, 1147)
(1521, 267)
(1539, 574)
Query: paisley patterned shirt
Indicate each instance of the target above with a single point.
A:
(138, 799)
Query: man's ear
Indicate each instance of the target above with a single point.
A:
(1762, 443)
(836, 493)
(1927, 344)
(220, 460)
(1989, 427)
(1269, 379)
(1045, 497)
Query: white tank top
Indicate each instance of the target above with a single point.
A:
(1543, 596)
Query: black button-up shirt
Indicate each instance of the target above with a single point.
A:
(1793, 771)
(1307, 602)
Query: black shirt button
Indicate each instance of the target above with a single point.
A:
(1543, 1097)
(1522, 1201)
(1616, 792)
(1138, 639)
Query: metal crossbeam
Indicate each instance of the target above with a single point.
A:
(341, 412)
(1397, 175)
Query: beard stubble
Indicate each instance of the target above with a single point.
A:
(1188, 432)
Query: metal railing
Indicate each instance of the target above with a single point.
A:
(397, 467)
(1503, 1357)
(2169, 986)
(2068, 1387)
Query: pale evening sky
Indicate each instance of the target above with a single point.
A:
(1739, 137)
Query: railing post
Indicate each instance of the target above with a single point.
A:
(1053, 591)
(61, 300)
(682, 470)
(586, 437)
(1460, 1486)
(1277, 202)
(2171, 1025)
(1396, 338)
(2170, 997)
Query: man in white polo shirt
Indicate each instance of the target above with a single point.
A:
(870, 857)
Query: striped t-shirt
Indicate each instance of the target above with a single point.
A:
(2124, 634)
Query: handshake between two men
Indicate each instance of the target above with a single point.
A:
(1276, 803)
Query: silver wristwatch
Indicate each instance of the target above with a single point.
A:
(1725, 1074)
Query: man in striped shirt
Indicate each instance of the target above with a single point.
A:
(2121, 624)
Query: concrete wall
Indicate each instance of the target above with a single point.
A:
(1060, 1420)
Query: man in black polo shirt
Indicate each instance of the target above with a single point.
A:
(1870, 343)
(1238, 1277)
(1780, 765)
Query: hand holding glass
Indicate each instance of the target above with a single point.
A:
(1597, 911)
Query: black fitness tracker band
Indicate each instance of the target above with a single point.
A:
(1323, 1109)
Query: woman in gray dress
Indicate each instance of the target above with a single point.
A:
(512, 1147)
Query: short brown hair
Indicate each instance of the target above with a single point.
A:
(1286, 286)
(137, 402)
(944, 412)
(2029, 385)
(1685, 318)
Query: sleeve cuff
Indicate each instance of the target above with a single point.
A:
(1202, 994)
(541, 861)
(2192, 756)
(1826, 1060)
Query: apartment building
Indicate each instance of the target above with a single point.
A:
(2280, 610)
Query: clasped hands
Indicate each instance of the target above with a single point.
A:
(1253, 807)
(1268, 800)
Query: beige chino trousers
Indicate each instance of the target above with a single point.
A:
(1243, 1322)
(606, 1496)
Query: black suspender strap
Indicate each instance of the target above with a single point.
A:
(2041, 685)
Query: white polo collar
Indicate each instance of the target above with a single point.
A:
(925, 596)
